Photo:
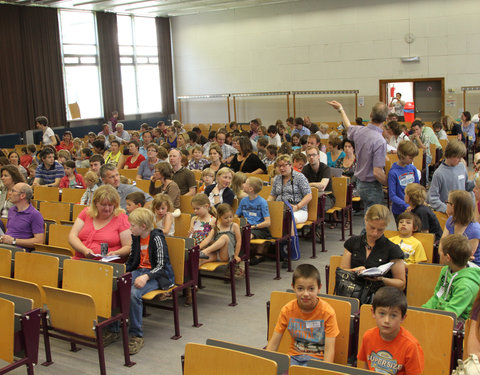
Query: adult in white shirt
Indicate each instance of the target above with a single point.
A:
(273, 136)
(314, 141)
(228, 152)
(394, 135)
(48, 138)
(122, 135)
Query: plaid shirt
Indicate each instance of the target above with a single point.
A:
(199, 165)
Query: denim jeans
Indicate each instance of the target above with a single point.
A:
(300, 360)
(370, 192)
(136, 306)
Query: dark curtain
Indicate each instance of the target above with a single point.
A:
(45, 93)
(110, 64)
(13, 114)
(31, 78)
(165, 65)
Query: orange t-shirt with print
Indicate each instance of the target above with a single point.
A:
(308, 330)
(401, 356)
(144, 254)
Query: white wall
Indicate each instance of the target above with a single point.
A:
(323, 45)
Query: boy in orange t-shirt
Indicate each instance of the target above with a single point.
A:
(310, 321)
(389, 348)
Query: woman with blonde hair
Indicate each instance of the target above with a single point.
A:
(373, 249)
(101, 227)
(221, 192)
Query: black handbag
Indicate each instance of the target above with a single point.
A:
(349, 284)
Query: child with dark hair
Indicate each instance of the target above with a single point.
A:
(459, 280)
(311, 322)
(72, 179)
(413, 251)
(134, 200)
(389, 348)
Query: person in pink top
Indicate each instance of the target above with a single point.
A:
(102, 222)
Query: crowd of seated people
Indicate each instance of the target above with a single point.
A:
(297, 155)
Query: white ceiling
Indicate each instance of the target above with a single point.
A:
(152, 8)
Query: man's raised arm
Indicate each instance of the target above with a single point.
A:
(339, 108)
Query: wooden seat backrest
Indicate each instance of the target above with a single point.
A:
(55, 211)
(82, 171)
(46, 193)
(176, 253)
(58, 235)
(5, 262)
(436, 343)
(302, 370)
(421, 282)
(22, 288)
(204, 129)
(433, 152)
(71, 311)
(391, 158)
(129, 173)
(442, 218)
(335, 261)
(72, 195)
(143, 185)
(57, 250)
(467, 328)
(313, 206)
(265, 192)
(418, 160)
(7, 317)
(336, 368)
(339, 187)
(182, 225)
(275, 209)
(282, 360)
(443, 143)
(206, 360)
(342, 311)
(76, 209)
(186, 204)
(427, 240)
(36, 268)
(94, 279)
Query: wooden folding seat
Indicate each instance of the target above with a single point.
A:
(282, 360)
(76, 209)
(206, 360)
(198, 174)
(280, 229)
(19, 333)
(330, 270)
(131, 174)
(46, 193)
(342, 191)
(421, 282)
(22, 288)
(217, 126)
(434, 332)
(343, 315)
(82, 309)
(55, 211)
(82, 171)
(204, 129)
(182, 225)
(262, 176)
(244, 256)
(427, 240)
(58, 236)
(442, 218)
(176, 252)
(312, 221)
(36, 268)
(5, 262)
(265, 192)
(143, 185)
(186, 204)
(334, 368)
(302, 370)
(72, 195)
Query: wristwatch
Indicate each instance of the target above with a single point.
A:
(14, 242)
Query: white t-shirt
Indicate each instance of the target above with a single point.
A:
(276, 141)
(46, 136)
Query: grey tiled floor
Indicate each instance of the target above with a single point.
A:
(244, 323)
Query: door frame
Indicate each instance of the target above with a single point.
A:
(383, 85)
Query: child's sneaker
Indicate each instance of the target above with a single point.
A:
(135, 344)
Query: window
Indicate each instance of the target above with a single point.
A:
(137, 40)
(80, 62)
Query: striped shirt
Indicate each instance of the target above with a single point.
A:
(48, 176)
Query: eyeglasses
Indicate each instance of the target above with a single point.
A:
(449, 203)
(312, 155)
